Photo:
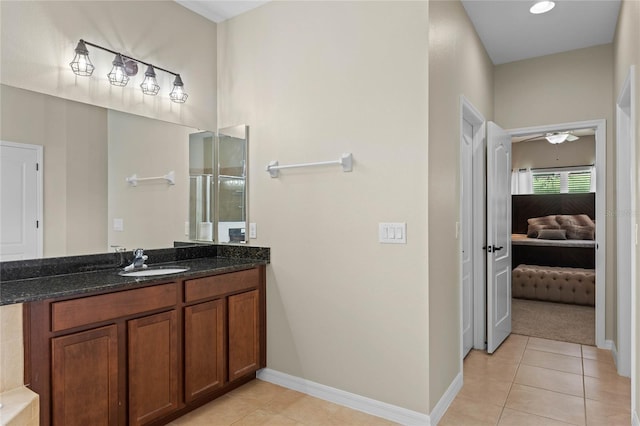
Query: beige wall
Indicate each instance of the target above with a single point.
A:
(74, 140)
(565, 87)
(458, 65)
(627, 52)
(314, 80)
(154, 212)
(540, 153)
(38, 39)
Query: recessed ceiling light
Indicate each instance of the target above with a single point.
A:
(542, 7)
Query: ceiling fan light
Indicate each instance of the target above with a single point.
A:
(556, 138)
(543, 6)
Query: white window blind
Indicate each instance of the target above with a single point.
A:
(570, 180)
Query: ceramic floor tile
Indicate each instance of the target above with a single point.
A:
(258, 392)
(490, 368)
(485, 390)
(266, 418)
(553, 361)
(511, 417)
(310, 411)
(605, 413)
(552, 380)
(599, 369)
(346, 416)
(464, 411)
(511, 352)
(545, 345)
(222, 411)
(613, 389)
(545, 403)
(602, 355)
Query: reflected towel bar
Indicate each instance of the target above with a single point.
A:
(169, 177)
(346, 161)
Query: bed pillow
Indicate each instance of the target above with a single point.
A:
(533, 230)
(552, 234)
(544, 220)
(574, 220)
(575, 232)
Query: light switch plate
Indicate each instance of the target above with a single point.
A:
(253, 230)
(392, 233)
(118, 224)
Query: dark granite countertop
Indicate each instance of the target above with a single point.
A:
(29, 283)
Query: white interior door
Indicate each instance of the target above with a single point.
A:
(20, 201)
(498, 236)
(466, 242)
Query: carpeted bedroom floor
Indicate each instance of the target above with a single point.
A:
(555, 321)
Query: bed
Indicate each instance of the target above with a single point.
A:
(573, 253)
(553, 248)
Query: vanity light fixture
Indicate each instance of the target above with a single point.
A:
(81, 64)
(118, 76)
(150, 85)
(543, 6)
(125, 67)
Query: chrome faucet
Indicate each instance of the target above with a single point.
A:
(138, 260)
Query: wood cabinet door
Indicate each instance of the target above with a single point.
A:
(85, 377)
(204, 348)
(244, 334)
(153, 367)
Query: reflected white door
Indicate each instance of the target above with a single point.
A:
(498, 236)
(467, 236)
(20, 201)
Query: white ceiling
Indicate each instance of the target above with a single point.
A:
(507, 29)
(218, 11)
(510, 33)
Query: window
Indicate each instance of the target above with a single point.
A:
(562, 181)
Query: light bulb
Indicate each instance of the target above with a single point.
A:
(542, 7)
(118, 76)
(177, 94)
(81, 64)
(150, 85)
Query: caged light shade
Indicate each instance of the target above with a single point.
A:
(177, 94)
(81, 64)
(118, 76)
(150, 85)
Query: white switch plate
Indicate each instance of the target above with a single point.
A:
(118, 224)
(253, 230)
(186, 229)
(392, 233)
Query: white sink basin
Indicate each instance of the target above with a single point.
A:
(150, 272)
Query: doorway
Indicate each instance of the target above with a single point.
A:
(600, 209)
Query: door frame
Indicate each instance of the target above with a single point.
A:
(39, 149)
(469, 113)
(600, 127)
(626, 227)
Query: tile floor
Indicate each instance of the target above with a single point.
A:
(263, 403)
(530, 381)
(527, 382)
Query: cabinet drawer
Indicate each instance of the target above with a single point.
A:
(219, 285)
(93, 309)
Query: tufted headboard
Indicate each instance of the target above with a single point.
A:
(524, 207)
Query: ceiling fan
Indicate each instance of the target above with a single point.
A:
(554, 137)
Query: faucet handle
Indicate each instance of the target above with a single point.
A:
(118, 249)
(138, 252)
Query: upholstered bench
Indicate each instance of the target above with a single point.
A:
(575, 286)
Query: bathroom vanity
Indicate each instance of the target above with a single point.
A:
(143, 351)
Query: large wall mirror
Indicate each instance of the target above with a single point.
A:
(89, 152)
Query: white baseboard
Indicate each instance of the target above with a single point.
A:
(636, 420)
(347, 399)
(446, 400)
(608, 344)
